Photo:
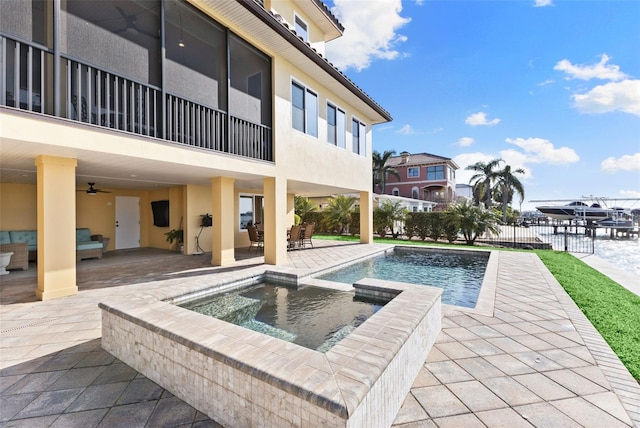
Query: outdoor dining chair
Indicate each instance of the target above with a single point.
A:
(308, 233)
(255, 238)
(294, 237)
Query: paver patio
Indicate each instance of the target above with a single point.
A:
(527, 358)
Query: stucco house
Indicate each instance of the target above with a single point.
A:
(423, 176)
(227, 108)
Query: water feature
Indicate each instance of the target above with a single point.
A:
(458, 273)
(313, 317)
(242, 377)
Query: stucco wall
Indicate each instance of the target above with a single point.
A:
(18, 210)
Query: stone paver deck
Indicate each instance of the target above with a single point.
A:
(536, 361)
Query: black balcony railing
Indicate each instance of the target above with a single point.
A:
(96, 96)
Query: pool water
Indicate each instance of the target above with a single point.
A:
(459, 273)
(313, 317)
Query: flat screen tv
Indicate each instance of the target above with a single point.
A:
(160, 213)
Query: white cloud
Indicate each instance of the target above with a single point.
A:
(613, 96)
(406, 130)
(542, 3)
(371, 32)
(465, 141)
(531, 151)
(601, 70)
(539, 150)
(630, 193)
(480, 118)
(546, 82)
(623, 163)
(465, 159)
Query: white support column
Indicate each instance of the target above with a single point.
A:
(275, 220)
(56, 227)
(366, 218)
(224, 224)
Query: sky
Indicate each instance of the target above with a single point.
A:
(549, 86)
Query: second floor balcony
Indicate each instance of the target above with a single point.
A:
(157, 69)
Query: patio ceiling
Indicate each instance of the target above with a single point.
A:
(111, 172)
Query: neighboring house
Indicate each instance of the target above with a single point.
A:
(424, 177)
(227, 108)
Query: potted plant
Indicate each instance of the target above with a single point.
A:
(176, 235)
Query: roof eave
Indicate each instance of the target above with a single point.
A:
(268, 18)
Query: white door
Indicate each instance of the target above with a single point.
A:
(127, 222)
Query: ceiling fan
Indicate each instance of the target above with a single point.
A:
(131, 24)
(92, 190)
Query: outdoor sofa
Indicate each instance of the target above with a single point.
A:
(24, 246)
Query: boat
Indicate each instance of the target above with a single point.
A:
(618, 219)
(576, 210)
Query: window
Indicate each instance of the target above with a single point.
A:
(358, 132)
(304, 110)
(414, 193)
(395, 192)
(335, 126)
(301, 28)
(413, 172)
(435, 172)
(248, 211)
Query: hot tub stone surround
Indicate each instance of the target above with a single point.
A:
(244, 378)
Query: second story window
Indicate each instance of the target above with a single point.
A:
(435, 172)
(413, 172)
(335, 126)
(304, 109)
(301, 28)
(358, 132)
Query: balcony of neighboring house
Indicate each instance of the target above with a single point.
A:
(442, 195)
(157, 69)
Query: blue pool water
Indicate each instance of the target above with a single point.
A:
(314, 317)
(459, 274)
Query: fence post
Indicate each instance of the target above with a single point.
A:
(566, 239)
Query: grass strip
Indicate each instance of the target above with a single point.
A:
(612, 309)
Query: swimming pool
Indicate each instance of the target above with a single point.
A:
(458, 273)
(314, 317)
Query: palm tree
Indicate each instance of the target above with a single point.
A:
(387, 215)
(472, 221)
(506, 184)
(381, 168)
(304, 207)
(483, 179)
(339, 212)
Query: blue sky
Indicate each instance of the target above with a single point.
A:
(549, 86)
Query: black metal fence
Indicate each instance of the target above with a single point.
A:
(571, 238)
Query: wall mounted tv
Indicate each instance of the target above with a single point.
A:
(160, 213)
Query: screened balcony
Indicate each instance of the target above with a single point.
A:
(157, 69)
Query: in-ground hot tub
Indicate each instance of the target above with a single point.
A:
(240, 377)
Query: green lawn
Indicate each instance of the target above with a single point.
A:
(611, 308)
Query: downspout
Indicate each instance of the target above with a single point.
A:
(56, 57)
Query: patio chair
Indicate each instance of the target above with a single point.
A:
(255, 239)
(294, 237)
(308, 233)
